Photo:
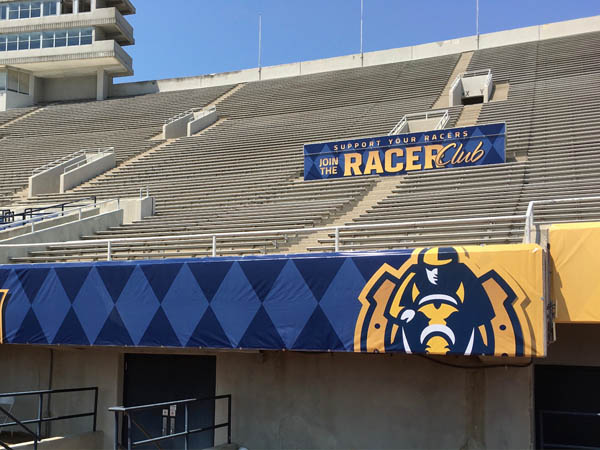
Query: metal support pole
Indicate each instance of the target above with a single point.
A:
(108, 251)
(214, 245)
(186, 423)
(362, 11)
(95, 409)
(337, 239)
(116, 441)
(477, 22)
(229, 419)
(260, 46)
(39, 424)
(128, 432)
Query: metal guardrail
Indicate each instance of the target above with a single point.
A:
(336, 230)
(121, 411)
(98, 152)
(527, 221)
(443, 114)
(190, 111)
(529, 215)
(64, 159)
(542, 444)
(473, 73)
(37, 435)
(64, 212)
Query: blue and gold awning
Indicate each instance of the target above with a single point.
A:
(463, 300)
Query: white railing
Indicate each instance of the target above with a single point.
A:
(64, 159)
(214, 236)
(527, 219)
(97, 152)
(529, 215)
(442, 114)
(190, 112)
(471, 74)
(68, 211)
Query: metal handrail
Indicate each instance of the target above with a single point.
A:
(109, 242)
(37, 436)
(99, 152)
(41, 218)
(127, 411)
(529, 215)
(190, 111)
(59, 161)
(472, 73)
(445, 117)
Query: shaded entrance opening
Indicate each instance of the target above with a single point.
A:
(567, 404)
(162, 378)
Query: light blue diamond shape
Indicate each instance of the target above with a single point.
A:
(290, 303)
(17, 307)
(184, 304)
(93, 305)
(137, 305)
(340, 302)
(51, 305)
(235, 304)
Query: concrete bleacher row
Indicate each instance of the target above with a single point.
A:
(551, 127)
(58, 130)
(244, 174)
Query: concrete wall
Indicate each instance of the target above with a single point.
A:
(177, 128)
(48, 223)
(338, 401)
(94, 167)
(68, 232)
(429, 50)
(202, 120)
(48, 181)
(134, 209)
(76, 88)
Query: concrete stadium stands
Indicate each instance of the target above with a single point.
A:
(244, 173)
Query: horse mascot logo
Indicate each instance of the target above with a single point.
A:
(441, 302)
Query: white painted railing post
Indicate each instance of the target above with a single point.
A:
(33, 227)
(214, 245)
(108, 251)
(337, 239)
(529, 222)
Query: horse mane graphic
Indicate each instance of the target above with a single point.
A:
(443, 301)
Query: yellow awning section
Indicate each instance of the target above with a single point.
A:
(575, 271)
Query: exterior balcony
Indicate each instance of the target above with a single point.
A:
(61, 62)
(108, 21)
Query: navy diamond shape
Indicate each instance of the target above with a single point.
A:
(210, 275)
(209, 333)
(71, 332)
(318, 334)
(72, 278)
(114, 331)
(159, 333)
(32, 280)
(115, 278)
(262, 274)
(318, 273)
(262, 333)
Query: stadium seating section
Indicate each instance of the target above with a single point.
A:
(245, 172)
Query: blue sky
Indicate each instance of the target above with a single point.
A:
(178, 38)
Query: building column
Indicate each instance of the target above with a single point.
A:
(102, 84)
(93, 5)
(58, 7)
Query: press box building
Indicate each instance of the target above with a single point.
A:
(62, 49)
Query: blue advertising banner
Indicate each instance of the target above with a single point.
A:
(463, 300)
(397, 155)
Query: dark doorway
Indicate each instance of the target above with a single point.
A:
(472, 100)
(567, 401)
(162, 378)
